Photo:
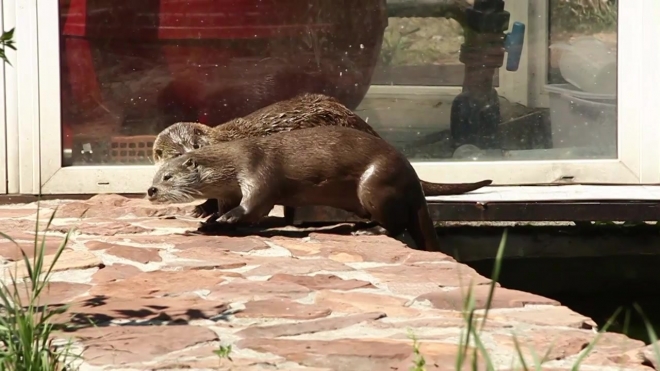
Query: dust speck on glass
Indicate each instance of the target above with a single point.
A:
(129, 69)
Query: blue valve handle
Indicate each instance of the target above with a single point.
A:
(513, 44)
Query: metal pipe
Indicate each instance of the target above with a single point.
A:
(451, 9)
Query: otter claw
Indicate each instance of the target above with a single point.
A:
(207, 208)
(200, 212)
(231, 219)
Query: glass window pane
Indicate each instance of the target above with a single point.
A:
(129, 69)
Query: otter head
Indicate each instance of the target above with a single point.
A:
(178, 180)
(180, 138)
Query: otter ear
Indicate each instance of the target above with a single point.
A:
(190, 163)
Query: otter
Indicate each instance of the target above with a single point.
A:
(303, 111)
(345, 168)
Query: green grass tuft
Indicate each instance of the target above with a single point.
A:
(224, 352)
(418, 362)
(26, 327)
(471, 333)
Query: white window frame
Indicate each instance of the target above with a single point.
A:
(3, 135)
(9, 155)
(3, 123)
(40, 129)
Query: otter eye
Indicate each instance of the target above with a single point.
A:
(177, 154)
(159, 153)
(167, 177)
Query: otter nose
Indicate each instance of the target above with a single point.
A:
(152, 191)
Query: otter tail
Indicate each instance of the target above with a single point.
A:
(440, 189)
(420, 227)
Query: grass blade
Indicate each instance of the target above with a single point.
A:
(496, 274)
(649, 329)
(592, 344)
(483, 350)
(521, 357)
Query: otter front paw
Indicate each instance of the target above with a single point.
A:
(212, 219)
(208, 208)
(232, 216)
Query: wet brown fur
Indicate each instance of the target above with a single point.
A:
(346, 169)
(300, 112)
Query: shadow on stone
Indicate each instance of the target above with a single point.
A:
(267, 230)
(102, 310)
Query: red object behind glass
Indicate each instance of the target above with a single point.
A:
(135, 67)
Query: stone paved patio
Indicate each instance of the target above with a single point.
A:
(163, 300)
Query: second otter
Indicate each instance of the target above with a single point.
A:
(300, 112)
(348, 169)
(303, 111)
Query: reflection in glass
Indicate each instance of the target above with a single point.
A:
(131, 68)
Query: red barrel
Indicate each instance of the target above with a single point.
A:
(135, 67)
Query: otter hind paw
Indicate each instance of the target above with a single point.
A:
(369, 229)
